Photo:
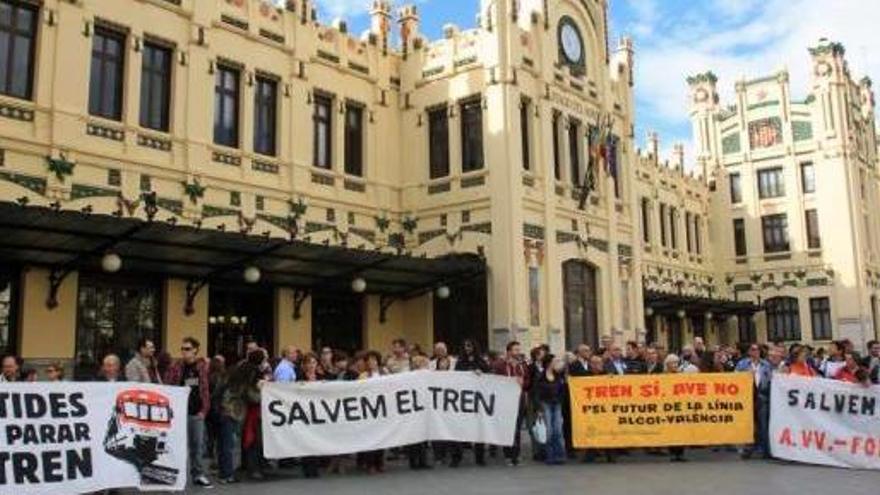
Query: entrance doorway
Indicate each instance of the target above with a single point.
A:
(674, 336)
(8, 310)
(237, 315)
(581, 304)
(113, 314)
(338, 321)
(464, 315)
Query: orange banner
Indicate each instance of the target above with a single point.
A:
(662, 410)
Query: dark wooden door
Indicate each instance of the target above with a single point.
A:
(237, 315)
(581, 304)
(464, 315)
(338, 321)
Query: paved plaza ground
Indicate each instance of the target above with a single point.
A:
(707, 473)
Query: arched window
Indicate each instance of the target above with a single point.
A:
(783, 319)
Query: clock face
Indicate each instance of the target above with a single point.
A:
(572, 45)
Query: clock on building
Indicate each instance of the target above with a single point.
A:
(571, 43)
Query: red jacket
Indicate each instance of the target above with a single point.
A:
(175, 374)
(515, 369)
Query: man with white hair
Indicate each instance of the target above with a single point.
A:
(687, 356)
(110, 369)
(440, 352)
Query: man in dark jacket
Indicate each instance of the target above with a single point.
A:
(470, 359)
(635, 365)
(581, 365)
(615, 365)
(653, 365)
(192, 371)
(111, 369)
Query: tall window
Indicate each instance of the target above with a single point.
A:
(438, 142)
(673, 234)
(808, 177)
(646, 221)
(18, 32)
(735, 189)
(354, 139)
(746, 330)
(106, 84)
(771, 184)
(323, 132)
(698, 241)
(574, 156)
(155, 87)
(266, 116)
(687, 231)
(739, 237)
(783, 319)
(775, 228)
(662, 215)
(614, 163)
(226, 97)
(814, 240)
(557, 155)
(820, 317)
(112, 315)
(8, 309)
(471, 135)
(524, 108)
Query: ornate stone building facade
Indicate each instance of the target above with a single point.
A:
(232, 170)
(795, 199)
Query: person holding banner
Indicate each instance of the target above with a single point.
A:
(470, 359)
(10, 369)
(374, 460)
(310, 368)
(652, 362)
(800, 366)
(192, 371)
(110, 369)
(762, 372)
(550, 391)
(513, 365)
(672, 365)
(852, 372)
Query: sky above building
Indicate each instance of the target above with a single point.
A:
(676, 38)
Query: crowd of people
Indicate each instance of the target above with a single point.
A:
(224, 403)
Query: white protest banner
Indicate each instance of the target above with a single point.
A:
(826, 422)
(333, 418)
(86, 437)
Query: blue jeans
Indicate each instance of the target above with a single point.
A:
(555, 436)
(227, 444)
(196, 432)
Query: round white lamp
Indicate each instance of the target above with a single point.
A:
(252, 274)
(358, 285)
(443, 292)
(111, 263)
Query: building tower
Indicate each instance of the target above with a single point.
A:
(704, 105)
(380, 22)
(409, 25)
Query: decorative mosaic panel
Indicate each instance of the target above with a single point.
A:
(765, 133)
(802, 130)
(35, 184)
(731, 144)
(533, 231)
(483, 228)
(79, 191)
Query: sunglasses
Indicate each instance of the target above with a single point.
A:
(186, 349)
